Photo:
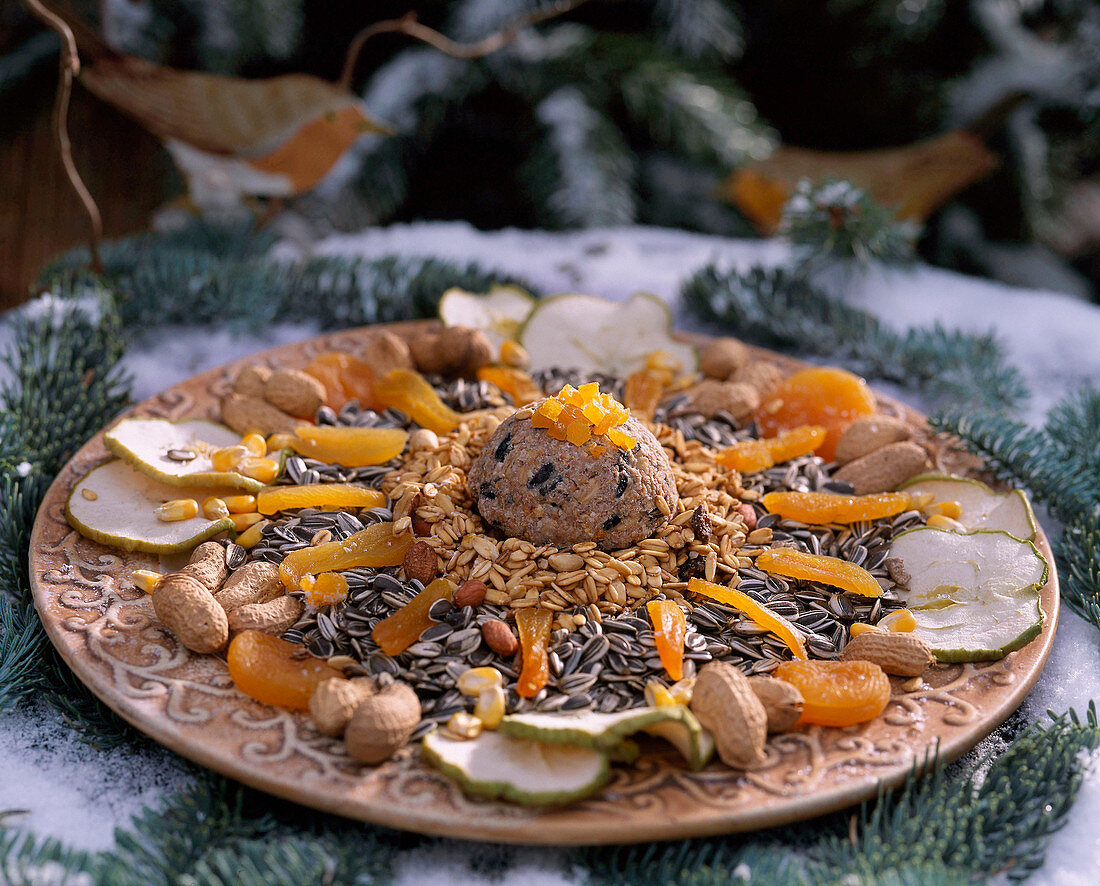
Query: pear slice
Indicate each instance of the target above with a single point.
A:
(596, 335)
(982, 508)
(146, 443)
(533, 773)
(975, 596)
(115, 505)
(499, 313)
(607, 732)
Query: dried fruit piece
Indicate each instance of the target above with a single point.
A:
(757, 455)
(350, 447)
(345, 377)
(516, 383)
(329, 496)
(669, 631)
(399, 631)
(833, 398)
(326, 589)
(374, 546)
(533, 626)
(827, 507)
(276, 671)
(758, 612)
(643, 390)
(409, 392)
(818, 567)
(837, 693)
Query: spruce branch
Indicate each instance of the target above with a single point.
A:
(782, 309)
(700, 29)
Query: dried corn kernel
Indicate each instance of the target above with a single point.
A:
(240, 504)
(255, 444)
(861, 627)
(513, 354)
(89, 494)
(463, 726)
(177, 509)
(491, 706)
(214, 508)
(145, 580)
(682, 690)
(263, 469)
(252, 535)
(900, 620)
(951, 509)
(280, 441)
(228, 457)
(939, 521)
(471, 682)
(241, 522)
(658, 696)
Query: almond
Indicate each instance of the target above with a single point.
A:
(470, 593)
(295, 393)
(748, 515)
(884, 469)
(421, 563)
(247, 414)
(869, 433)
(898, 653)
(499, 637)
(722, 357)
(782, 702)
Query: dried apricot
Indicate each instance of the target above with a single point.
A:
(748, 456)
(516, 383)
(273, 499)
(374, 546)
(325, 589)
(832, 398)
(345, 377)
(350, 447)
(397, 632)
(533, 627)
(409, 392)
(818, 567)
(829, 507)
(276, 671)
(758, 612)
(669, 632)
(837, 693)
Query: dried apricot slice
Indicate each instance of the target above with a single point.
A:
(273, 499)
(276, 671)
(350, 447)
(669, 632)
(758, 612)
(397, 632)
(748, 456)
(409, 392)
(818, 567)
(829, 507)
(837, 693)
(822, 395)
(325, 589)
(533, 627)
(516, 383)
(345, 377)
(374, 546)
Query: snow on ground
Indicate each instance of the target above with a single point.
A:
(81, 794)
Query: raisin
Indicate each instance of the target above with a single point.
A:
(611, 522)
(503, 448)
(541, 475)
(701, 525)
(487, 492)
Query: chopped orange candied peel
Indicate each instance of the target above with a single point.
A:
(584, 416)
(817, 567)
(758, 612)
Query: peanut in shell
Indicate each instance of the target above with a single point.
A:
(724, 703)
(898, 653)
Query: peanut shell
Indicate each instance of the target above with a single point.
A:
(884, 469)
(896, 652)
(188, 609)
(869, 433)
(725, 704)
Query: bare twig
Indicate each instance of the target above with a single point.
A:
(408, 25)
(69, 68)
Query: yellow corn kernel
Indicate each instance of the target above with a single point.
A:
(241, 522)
(920, 500)
(240, 504)
(145, 580)
(214, 508)
(252, 535)
(861, 627)
(471, 682)
(228, 457)
(658, 696)
(513, 354)
(280, 441)
(464, 726)
(491, 706)
(177, 509)
(255, 444)
(939, 521)
(950, 509)
(682, 690)
(263, 469)
(901, 620)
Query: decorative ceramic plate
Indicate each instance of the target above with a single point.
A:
(108, 634)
